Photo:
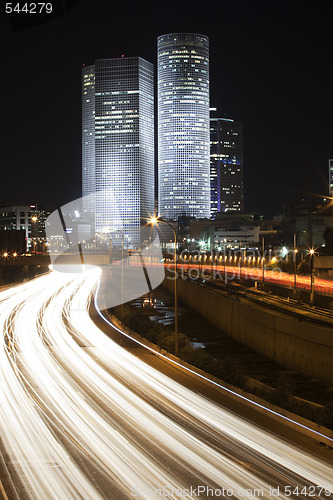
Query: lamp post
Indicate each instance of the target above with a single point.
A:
(311, 275)
(263, 261)
(295, 263)
(34, 230)
(202, 244)
(153, 221)
(224, 257)
(188, 253)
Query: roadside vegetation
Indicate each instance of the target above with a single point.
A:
(17, 274)
(288, 266)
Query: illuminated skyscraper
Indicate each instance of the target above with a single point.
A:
(183, 125)
(123, 145)
(226, 165)
(88, 136)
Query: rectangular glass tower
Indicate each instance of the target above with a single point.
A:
(123, 146)
(226, 165)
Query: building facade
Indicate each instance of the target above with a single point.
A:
(183, 125)
(226, 166)
(29, 220)
(88, 139)
(17, 218)
(119, 160)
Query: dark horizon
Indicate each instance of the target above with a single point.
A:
(269, 63)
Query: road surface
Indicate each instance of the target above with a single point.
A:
(81, 417)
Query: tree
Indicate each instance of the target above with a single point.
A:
(304, 267)
(328, 237)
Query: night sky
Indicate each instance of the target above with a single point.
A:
(270, 61)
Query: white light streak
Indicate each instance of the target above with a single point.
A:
(75, 405)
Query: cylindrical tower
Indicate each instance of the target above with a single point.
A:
(183, 125)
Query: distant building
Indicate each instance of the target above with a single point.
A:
(15, 218)
(29, 220)
(183, 125)
(245, 237)
(308, 220)
(231, 230)
(118, 146)
(226, 165)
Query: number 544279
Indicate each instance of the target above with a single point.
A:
(29, 8)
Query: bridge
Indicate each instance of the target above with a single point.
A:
(45, 260)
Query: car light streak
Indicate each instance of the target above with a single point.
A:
(68, 391)
(215, 383)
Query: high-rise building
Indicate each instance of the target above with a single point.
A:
(183, 125)
(226, 165)
(118, 145)
(88, 138)
(330, 176)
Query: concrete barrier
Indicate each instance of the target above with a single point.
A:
(292, 341)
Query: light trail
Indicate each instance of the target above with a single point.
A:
(253, 273)
(81, 417)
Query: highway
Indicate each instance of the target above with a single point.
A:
(81, 417)
(253, 273)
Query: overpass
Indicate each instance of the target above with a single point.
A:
(45, 260)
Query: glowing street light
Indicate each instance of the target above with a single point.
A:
(156, 221)
(34, 231)
(295, 263)
(311, 252)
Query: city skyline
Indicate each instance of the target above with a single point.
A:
(278, 86)
(147, 348)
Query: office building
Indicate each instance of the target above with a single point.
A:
(29, 220)
(16, 218)
(118, 149)
(226, 165)
(183, 125)
(88, 140)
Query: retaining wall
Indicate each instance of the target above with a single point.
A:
(294, 342)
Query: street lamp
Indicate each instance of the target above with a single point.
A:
(201, 244)
(295, 263)
(34, 230)
(263, 261)
(156, 221)
(311, 275)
